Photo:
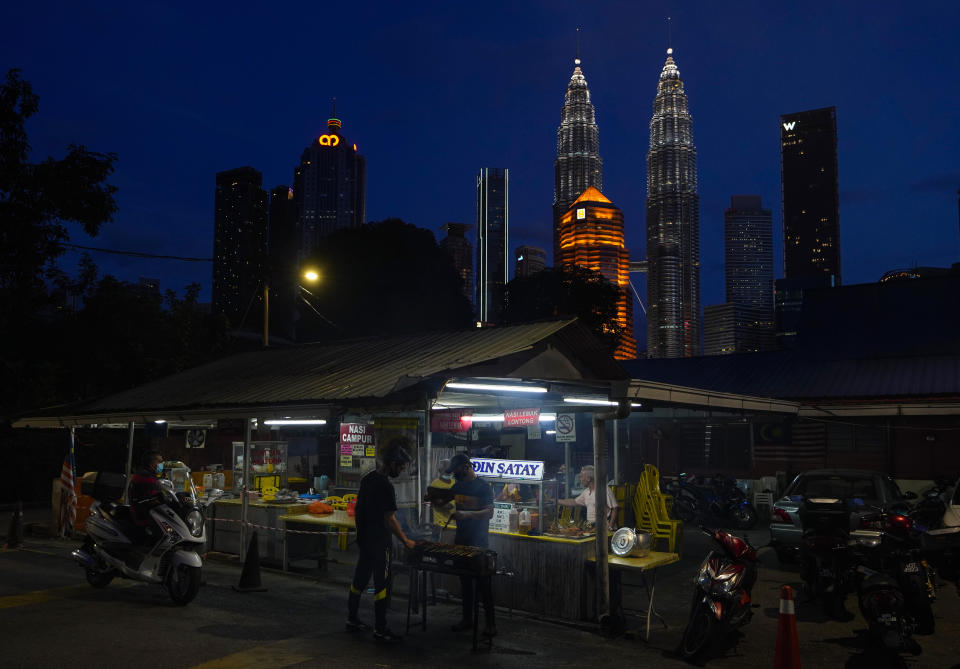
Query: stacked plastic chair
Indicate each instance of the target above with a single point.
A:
(340, 503)
(650, 510)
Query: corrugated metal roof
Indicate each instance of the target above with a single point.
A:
(332, 373)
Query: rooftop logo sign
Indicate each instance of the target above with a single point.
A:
(329, 140)
(789, 126)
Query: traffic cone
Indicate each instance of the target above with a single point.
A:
(787, 655)
(15, 533)
(250, 576)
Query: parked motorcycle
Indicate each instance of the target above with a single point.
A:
(896, 584)
(825, 559)
(721, 596)
(929, 509)
(717, 497)
(168, 553)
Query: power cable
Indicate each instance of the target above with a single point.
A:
(136, 254)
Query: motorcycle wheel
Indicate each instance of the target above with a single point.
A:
(699, 633)
(684, 512)
(183, 583)
(745, 517)
(99, 579)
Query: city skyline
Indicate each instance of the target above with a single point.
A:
(473, 96)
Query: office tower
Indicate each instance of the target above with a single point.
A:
(748, 253)
(673, 224)
(810, 192)
(284, 265)
(591, 236)
(239, 245)
(578, 164)
(460, 251)
(736, 328)
(529, 261)
(493, 233)
(329, 187)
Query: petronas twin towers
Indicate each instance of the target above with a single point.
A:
(673, 227)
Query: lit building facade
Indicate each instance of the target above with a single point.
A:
(460, 251)
(810, 195)
(329, 186)
(673, 224)
(592, 236)
(736, 328)
(578, 164)
(748, 253)
(529, 261)
(493, 235)
(239, 243)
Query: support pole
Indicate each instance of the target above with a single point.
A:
(266, 315)
(566, 469)
(426, 461)
(616, 451)
(600, 500)
(244, 497)
(126, 486)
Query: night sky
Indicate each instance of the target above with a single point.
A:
(432, 91)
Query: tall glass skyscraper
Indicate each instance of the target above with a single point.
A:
(578, 164)
(673, 224)
(493, 234)
(329, 186)
(811, 199)
(239, 244)
(748, 253)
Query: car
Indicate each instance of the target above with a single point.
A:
(874, 488)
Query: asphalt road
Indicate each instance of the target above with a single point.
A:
(50, 617)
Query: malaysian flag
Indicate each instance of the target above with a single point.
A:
(68, 492)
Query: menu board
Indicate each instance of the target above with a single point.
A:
(501, 517)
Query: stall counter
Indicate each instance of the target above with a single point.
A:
(265, 515)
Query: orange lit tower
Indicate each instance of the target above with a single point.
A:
(591, 236)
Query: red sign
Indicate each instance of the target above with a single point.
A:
(450, 420)
(355, 438)
(521, 417)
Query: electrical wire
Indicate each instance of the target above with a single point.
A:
(136, 254)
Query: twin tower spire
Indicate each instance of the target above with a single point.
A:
(672, 210)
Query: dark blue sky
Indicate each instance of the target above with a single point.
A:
(432, 91)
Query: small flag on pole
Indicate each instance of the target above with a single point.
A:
(68, 494)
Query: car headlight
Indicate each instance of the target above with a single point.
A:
(195, 522)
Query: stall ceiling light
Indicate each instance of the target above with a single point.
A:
(550, 431)
(160, 421)
(294, 421)
(496, 387)
(595, 402)
(498, 418)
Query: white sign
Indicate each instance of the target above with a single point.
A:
(533, 431)
(500, 521)
(566, 427)
(789, 126)
(527, 470)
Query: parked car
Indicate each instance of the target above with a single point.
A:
(875, 489)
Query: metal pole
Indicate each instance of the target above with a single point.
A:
(244, 499)
(266, 314)
(566, 469)
(126, 486)
(428, 461)
(600, 501)
(616, 452)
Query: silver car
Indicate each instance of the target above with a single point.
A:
(874, 488)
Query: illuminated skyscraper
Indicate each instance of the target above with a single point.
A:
(530, 260)
(811, 200)
(673, 224)
(329, 186)
(493, 254)
(748, 253)
(239, 244)
(591, 236)
(578, 164)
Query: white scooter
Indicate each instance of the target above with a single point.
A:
(167, 555)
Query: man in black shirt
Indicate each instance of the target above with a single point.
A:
(376, 506)
(474, 500)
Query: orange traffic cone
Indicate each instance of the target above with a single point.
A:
(787, 655)
(250, 575)
(15, 533)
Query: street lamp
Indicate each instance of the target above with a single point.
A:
(311, 275)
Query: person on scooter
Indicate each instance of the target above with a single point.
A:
(144, 487)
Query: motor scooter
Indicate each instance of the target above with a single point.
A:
(166, 553)
(721, 596)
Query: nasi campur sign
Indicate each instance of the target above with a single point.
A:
(356, 439)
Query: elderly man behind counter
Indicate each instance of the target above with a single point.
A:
(588, 498)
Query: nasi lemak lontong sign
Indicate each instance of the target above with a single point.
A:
(525, 470)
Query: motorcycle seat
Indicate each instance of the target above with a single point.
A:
(118, 512)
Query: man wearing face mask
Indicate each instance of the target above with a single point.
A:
(143, 491)
(474, 509)
(376, 521)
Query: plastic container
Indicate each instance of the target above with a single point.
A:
(524, 521)
(514, 521)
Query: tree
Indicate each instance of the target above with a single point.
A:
(37, 200)
(565, 292)
(384, 278)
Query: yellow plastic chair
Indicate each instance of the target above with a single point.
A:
(340, 504)
(350, 497)
(650, 511)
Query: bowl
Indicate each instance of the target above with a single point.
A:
(628, 542)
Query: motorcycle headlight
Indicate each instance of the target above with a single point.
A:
(195, 522)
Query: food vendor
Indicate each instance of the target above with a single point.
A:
(587, 498)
